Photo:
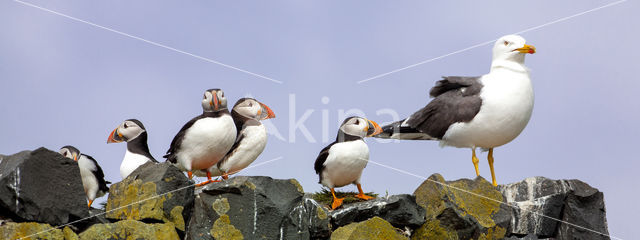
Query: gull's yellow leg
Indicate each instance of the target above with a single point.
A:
(336, 201)
(493, 174)
(475, 161)
(361, 194)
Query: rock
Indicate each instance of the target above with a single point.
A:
(319, 219)
(41, 186)
(250, 208)
(131, 229)
(152, 193)
(399, 210)
(572, 201)
(454, 209)
(34, 230)
(374, 228)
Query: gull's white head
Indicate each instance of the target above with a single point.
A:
(511, 48)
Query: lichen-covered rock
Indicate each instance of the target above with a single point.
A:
(399, 210)
(319, 219)
(34, 230)
(41, 186)
(156, 192)
(572, 201)
(374, 228)
(130, 229)
(470, 208)
(250, 208)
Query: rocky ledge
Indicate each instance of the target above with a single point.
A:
(41, 197)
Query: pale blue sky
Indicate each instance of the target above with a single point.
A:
(65, 82)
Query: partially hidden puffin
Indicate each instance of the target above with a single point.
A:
(133, 132)
(476, 112)
(92, 176)
(341, 163)
(204, 140)
(250, 140)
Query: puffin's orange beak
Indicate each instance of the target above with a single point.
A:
(373, 128)
(75, 157)
(527, 49)
(216, 102)
(266, 112)
(115, 136)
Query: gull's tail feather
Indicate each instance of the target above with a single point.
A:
(401, 130)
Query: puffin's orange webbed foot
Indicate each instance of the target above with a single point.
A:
(364, 197)
(337, 202)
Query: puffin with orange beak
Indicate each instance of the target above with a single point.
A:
(342, 162)
(92, 176)
(133, 132)
(206, 139)
(250, 140)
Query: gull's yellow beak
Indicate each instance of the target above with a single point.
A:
(527, 49)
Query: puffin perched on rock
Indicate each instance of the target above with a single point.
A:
(341, 163)
(250, 140)
(133, 132)
(204, 140)
(92, 176)
(476, 112)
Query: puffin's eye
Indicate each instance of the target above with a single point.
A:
(250, 104)
(506, 43)
(357, 122)
(125, 125)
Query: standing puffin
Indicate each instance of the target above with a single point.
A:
(133, 132)
(204, 140)
(341, 163)
(92, 176)
(251, 138)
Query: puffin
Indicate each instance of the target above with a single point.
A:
(204, 140)
(133, 132)
(476, 112)
(251, 137)
(341, 162)
(92, 176)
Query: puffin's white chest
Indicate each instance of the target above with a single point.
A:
(507, 104)
(206, 142)
(131, 162)
(345, 163)
(253, 143)
(89, 181)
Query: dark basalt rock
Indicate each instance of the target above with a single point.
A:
(250, 208)
(571, 201)
(153, 193)
(41, 186)
(399, 210)
(318, 218)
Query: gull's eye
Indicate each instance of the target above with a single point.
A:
(506, 43)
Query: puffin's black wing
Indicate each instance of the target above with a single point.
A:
(456, 99)
(177, 140)
(102, 184)
(232, 150)
(322, 157)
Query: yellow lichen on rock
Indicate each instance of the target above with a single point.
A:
(131, 229)
(481, 208)
(223, 229)
(374, 228)
(131, 194)
(221, 206)
(321, 213)
(493, 233)
(432, 230)
(297, 184)
(69, 234)
(176, 217)
(29, 231)
(250, 185)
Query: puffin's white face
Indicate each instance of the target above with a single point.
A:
(127, 131)
(360, 127)
(512, 47)
(214, 100)
(70, 152)
(251, 108)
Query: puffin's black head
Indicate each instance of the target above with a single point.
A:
(70, 152)
(214, 100)
(252, 109)
(129, 129)
(359, 127)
